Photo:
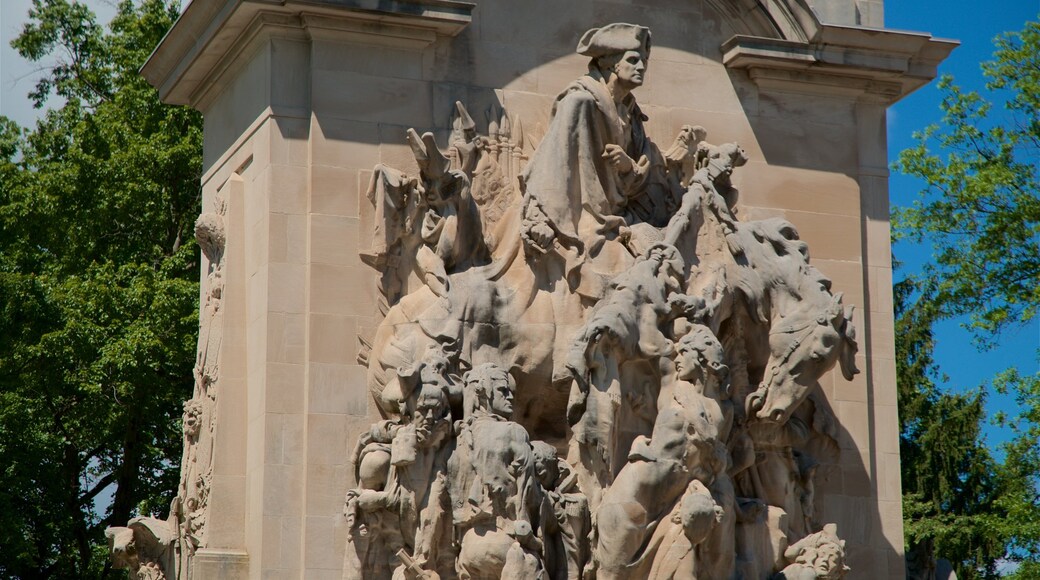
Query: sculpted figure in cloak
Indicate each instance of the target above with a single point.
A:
(596, 172)
(523, 282)
(612, 308)
(597, 190)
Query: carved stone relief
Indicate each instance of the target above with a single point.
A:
(589, 366)
(160, 549)
(604, 372)
(146, 547)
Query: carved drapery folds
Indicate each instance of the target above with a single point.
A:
(604, 372)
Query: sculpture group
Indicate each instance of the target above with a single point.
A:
(589, 366)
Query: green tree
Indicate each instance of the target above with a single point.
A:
(981, 211)
(981, 214)
(98, 290)
(951, 483)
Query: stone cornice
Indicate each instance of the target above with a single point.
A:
(787, 19)
(880, 65)
(210, 33)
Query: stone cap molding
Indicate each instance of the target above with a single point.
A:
(210, 34)
(874, 64)
(783, 45)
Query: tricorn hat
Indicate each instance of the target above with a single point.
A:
(614, 38)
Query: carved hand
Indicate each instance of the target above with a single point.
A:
(538, 235)
(690, 307)
(617, 157)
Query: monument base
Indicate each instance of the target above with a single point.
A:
(223, 564)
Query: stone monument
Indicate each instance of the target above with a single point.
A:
(486, 294)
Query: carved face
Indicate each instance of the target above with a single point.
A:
(501, 394)
(546, 464)
(828, 562)
(430, 410)
(488, 388)
(687, 361)
(631, 69)
(699, 351)
(435, 369)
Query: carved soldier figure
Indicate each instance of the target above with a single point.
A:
(596, 171)
(399, 514)
(494, 490)
(566, 526)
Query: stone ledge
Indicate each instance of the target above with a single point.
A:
(887, 65)
(211, 32)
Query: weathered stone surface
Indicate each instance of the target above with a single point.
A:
(522, 338)
(628, 257)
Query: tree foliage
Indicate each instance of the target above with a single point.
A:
(982, 209)
(981, 214)
(951, 482)
(98, 290)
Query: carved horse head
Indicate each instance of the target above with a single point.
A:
(803, 346)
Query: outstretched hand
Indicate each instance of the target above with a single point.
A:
(693, 308)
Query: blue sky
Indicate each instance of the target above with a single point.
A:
(975, 25)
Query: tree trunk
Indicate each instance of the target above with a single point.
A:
(124, 501)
